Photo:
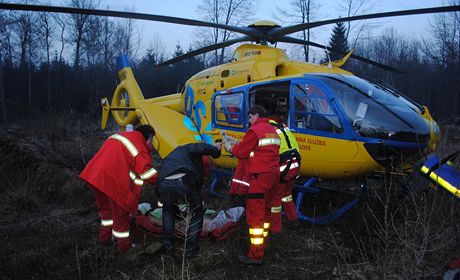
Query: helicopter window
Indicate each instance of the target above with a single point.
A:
(228, 109)
(374, 112)
(225, 73)
(312, 110)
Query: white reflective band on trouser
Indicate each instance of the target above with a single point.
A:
(148, 174)
(257, 241)
(131, 148)
(276, 209)
(251, 154)
(269, 141)
(293, 165)
(106, 223)
(120, 234)
(287, 199)
(136, 180)
(266, 227)
(241, 182)
(256, 231)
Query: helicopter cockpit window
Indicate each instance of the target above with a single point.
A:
(228, 110)
(376, 112)
(312, 109)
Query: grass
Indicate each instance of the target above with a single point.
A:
(49, 223)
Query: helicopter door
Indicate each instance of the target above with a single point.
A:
(228, 110)
(313, 115)
(274, 97)
(313, 111)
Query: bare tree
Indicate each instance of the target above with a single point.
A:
(5, 46)
(91, 43)
(26, 31)
(79, 26)
(46, 31)
(352, 8)
(127, 38)
(61, 22)
(302, 13)
(107, 40)
(232, 12)
(445, 53)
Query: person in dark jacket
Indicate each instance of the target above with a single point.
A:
(181, 177)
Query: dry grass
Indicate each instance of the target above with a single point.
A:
(49, 223)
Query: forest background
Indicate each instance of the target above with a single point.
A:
(64, 64)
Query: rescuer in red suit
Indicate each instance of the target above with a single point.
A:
(260, 147)
(116, 175)
(289, 171)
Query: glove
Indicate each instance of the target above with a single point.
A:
(230, 139)
(228, 146)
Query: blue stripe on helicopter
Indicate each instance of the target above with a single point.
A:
(122, 62)
(190, 126)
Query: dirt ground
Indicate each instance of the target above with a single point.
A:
(49, 223)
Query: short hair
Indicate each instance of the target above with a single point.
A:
(146, 130)
(258, 109)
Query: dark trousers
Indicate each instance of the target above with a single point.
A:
(171, 191)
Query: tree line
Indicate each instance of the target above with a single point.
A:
(52, 63)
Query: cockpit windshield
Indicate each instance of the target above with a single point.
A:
(376, 112)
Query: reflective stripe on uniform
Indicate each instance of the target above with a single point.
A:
(269, 141)
(131, 148)
(251, 154)
(256, 236)
(266, 227)
(256, 231)
(257, 241)
(241, 182)
(106, 223)
(276, 209)
(293, 165)
(448, 186)
(135, 179)
(287, 199)
(148, 174)
(120, 234)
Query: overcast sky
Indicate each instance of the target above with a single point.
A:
(170, 34)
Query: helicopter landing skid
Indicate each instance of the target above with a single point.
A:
(307, 188)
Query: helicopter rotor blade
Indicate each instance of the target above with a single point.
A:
(299, 27)
(120, 14)
(287, 39)
(205, 50)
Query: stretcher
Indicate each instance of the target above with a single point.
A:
(217, 225)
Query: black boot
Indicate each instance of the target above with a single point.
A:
(248, 261)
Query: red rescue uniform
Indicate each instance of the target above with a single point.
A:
(116, 175)
(284, 195)
(239, 183)
(260, 147)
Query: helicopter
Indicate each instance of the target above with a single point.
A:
(346, 126)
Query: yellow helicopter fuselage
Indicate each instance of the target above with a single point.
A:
(195, 114)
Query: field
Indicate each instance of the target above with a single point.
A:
(404, 230)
